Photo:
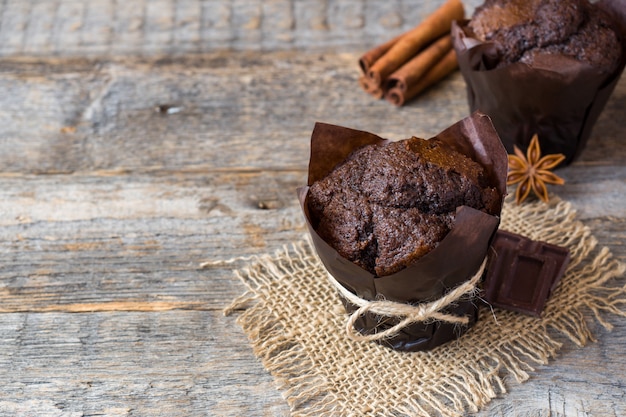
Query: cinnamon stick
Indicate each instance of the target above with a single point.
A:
(433, 27)
(367, 59)
(442, 69)
(370, 88)
(411, 72)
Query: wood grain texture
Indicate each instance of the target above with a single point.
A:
(225, 102)
(179, 27)
(110, 203)
(129, 363)
(76, 241)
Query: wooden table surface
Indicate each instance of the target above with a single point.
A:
(140, 139)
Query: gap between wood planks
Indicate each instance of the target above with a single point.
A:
(155, 171)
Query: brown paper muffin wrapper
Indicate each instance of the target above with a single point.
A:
(457, 257)
(558, 98)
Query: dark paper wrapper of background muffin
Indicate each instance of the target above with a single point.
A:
(456, 258)
(557, 97)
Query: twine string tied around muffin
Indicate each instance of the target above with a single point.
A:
(408, 313)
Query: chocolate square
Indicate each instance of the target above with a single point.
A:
(522, 273)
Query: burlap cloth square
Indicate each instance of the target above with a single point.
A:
(295, 323)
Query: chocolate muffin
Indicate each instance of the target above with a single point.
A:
(373, 206)
(542, 67)
(388, 205)
(525, 30)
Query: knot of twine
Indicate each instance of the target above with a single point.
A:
(409, 313)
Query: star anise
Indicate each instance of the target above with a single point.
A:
(532, 171)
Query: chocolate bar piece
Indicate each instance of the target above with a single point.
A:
(522, 273)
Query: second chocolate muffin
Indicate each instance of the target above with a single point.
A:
(542, 67)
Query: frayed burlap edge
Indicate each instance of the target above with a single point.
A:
(294, 321)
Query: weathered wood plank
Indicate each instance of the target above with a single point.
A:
(101, 242)
(190, 363)
(225, 103)
(179, 27)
